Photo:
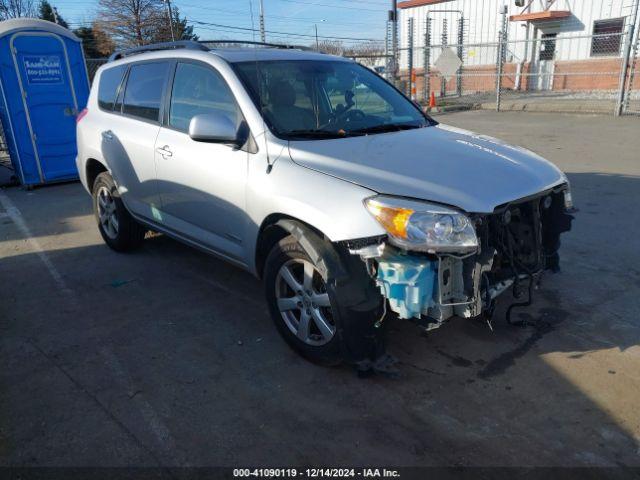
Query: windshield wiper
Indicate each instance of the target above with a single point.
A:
(317, 134)
(387, 127)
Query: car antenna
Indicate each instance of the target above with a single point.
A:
(258, 77)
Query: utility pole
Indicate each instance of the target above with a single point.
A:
(317, 44)
(170, 16)
(263, 37)
(394, 37)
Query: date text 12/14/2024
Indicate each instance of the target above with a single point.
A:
(315, 473)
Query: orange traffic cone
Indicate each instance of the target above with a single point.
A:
(432, 100)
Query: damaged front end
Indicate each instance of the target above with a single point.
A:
(436, 263)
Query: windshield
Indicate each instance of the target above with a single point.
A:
(310, 99)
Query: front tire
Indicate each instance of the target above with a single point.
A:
(116, 225)
(322, 300)
(299, 303)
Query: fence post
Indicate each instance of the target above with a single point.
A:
(426, 61)
(625, 59)
(394, 41)
(501, 57)
(632, 71)
(410, 53)
(445, 42)
(460, 55)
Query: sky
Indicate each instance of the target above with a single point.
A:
(293, 21)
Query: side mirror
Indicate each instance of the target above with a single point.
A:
(213, 128)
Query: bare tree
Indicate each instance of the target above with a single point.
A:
(102, 42)
(131, 23)
(16, 8)
(368, 53)
(332, 47)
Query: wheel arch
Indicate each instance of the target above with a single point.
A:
(93, 168)
(274, 228)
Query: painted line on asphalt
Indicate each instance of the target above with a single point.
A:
(14, 214)
(151, 418)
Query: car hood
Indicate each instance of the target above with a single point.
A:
(442, 164)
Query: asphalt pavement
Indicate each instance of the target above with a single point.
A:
(168, 357)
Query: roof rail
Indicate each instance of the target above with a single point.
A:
(249, 42)
(186, 44)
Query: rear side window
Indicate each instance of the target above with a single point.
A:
(198, 89)
(109, 82)
(143, 94)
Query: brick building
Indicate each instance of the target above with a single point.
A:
(571, 45)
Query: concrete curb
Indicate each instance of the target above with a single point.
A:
(451, 108)
(543, 107)
(550, 107)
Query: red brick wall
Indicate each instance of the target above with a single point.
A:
(595, 74)
(592, 74)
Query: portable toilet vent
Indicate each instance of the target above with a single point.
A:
(44, 84)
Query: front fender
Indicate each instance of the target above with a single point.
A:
(330, 205)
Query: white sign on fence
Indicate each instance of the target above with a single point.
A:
(448, 62)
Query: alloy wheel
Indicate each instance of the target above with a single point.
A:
(107, 213)
(304, 303)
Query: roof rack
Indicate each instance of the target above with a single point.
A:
(202, 45)
(186, 44)
(249, 42)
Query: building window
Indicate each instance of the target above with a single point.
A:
(548, 46)
(607, 37)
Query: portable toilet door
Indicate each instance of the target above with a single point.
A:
(44, 86)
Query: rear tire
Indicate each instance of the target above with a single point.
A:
(116, 225)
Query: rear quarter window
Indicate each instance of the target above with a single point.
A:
(110, 80)
(143, 93)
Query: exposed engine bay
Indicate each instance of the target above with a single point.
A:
(517, 243)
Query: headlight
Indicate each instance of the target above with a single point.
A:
(423, 226)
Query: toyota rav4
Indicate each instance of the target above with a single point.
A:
(318, 176)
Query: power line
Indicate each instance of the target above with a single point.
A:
(336, 6)
(197, 22)
(249, 31)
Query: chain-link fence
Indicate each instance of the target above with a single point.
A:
(543, 74)
(92, 66)
(563, 71)
(379, 63)
(631, 101)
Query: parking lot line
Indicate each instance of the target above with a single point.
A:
(146, 411)
(16, 217)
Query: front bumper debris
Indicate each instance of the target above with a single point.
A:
(517, 243)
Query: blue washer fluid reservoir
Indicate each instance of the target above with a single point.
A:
(408, 281)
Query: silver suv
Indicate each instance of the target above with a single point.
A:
(317, 175)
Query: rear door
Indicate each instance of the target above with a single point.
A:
(201, 185)
(129, 134)
(49, 101)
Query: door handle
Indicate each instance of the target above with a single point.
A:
(107, 135)
(164, 151)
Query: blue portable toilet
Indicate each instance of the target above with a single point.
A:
(44, 84)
